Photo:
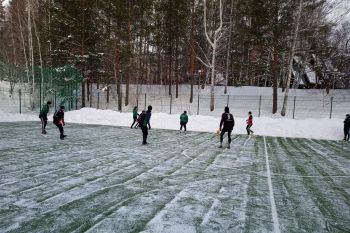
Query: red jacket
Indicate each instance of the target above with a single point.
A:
(250, 120)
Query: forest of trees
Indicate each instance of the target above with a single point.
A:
(167, 42)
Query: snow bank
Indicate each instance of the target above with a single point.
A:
(331, 129)
(10, 117)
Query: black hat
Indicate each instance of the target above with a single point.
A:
(62, 107)
(227, 110)
(149, 107)
(48, 102)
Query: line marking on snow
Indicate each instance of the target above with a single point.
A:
(214, 205)
(276, 224)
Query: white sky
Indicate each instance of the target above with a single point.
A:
(340, 13)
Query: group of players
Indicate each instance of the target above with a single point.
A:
(143, 121)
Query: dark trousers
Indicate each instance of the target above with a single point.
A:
(135, 118)
(346, 133)
(144, 134)
(60, 127)
(43, 123)
(183, 125)
(249, 131)
(223, 131)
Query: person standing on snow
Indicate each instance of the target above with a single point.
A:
(249, 123)
(43, 116)
(134, 115)
(183, 120)
(347, 127)
(58, 120)
(228, 122)
(145, 123)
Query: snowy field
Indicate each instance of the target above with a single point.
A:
(100, 179)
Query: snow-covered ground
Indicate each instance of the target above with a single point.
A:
(102, 180)
(331, 129)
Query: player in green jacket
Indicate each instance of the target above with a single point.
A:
(183, 120)
(43, 116)
(134, 116)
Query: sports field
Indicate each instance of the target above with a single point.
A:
(101, 179)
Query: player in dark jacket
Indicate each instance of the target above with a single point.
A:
(43, 116)
(228, 122)
(58, 120)
(145, 123)
(347, 127)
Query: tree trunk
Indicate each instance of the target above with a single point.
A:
(176, 71)
(275, 80)
(290, 67)
(82, 51)
(228, 48)
(129, 55)
(192, 56)
(118, 81)
(275, 65)
(31, 49)
(41, 63)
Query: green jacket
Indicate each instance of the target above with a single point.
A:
(183, 118)
(45, 110)
(134, 113)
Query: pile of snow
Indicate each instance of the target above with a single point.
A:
(331, 129)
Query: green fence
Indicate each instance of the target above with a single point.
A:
(59, 85)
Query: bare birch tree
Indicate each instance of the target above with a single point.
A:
(213, 45)
(291, 56)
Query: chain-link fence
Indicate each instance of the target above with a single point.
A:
(298, 107)
(22, 101)
(29, 91)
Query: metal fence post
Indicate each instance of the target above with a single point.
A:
(228, 100)
(330, 114)
(171, 100)
(145, 100)
(40, 95)
(76, 95)
(55, 101)
(198, 106)
(20, 101)
(98, 100)
(259, 105)
(294, 106)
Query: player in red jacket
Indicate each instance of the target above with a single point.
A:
(249, 123)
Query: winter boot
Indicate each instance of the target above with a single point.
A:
(220, 145)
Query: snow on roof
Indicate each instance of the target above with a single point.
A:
(311, 75)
